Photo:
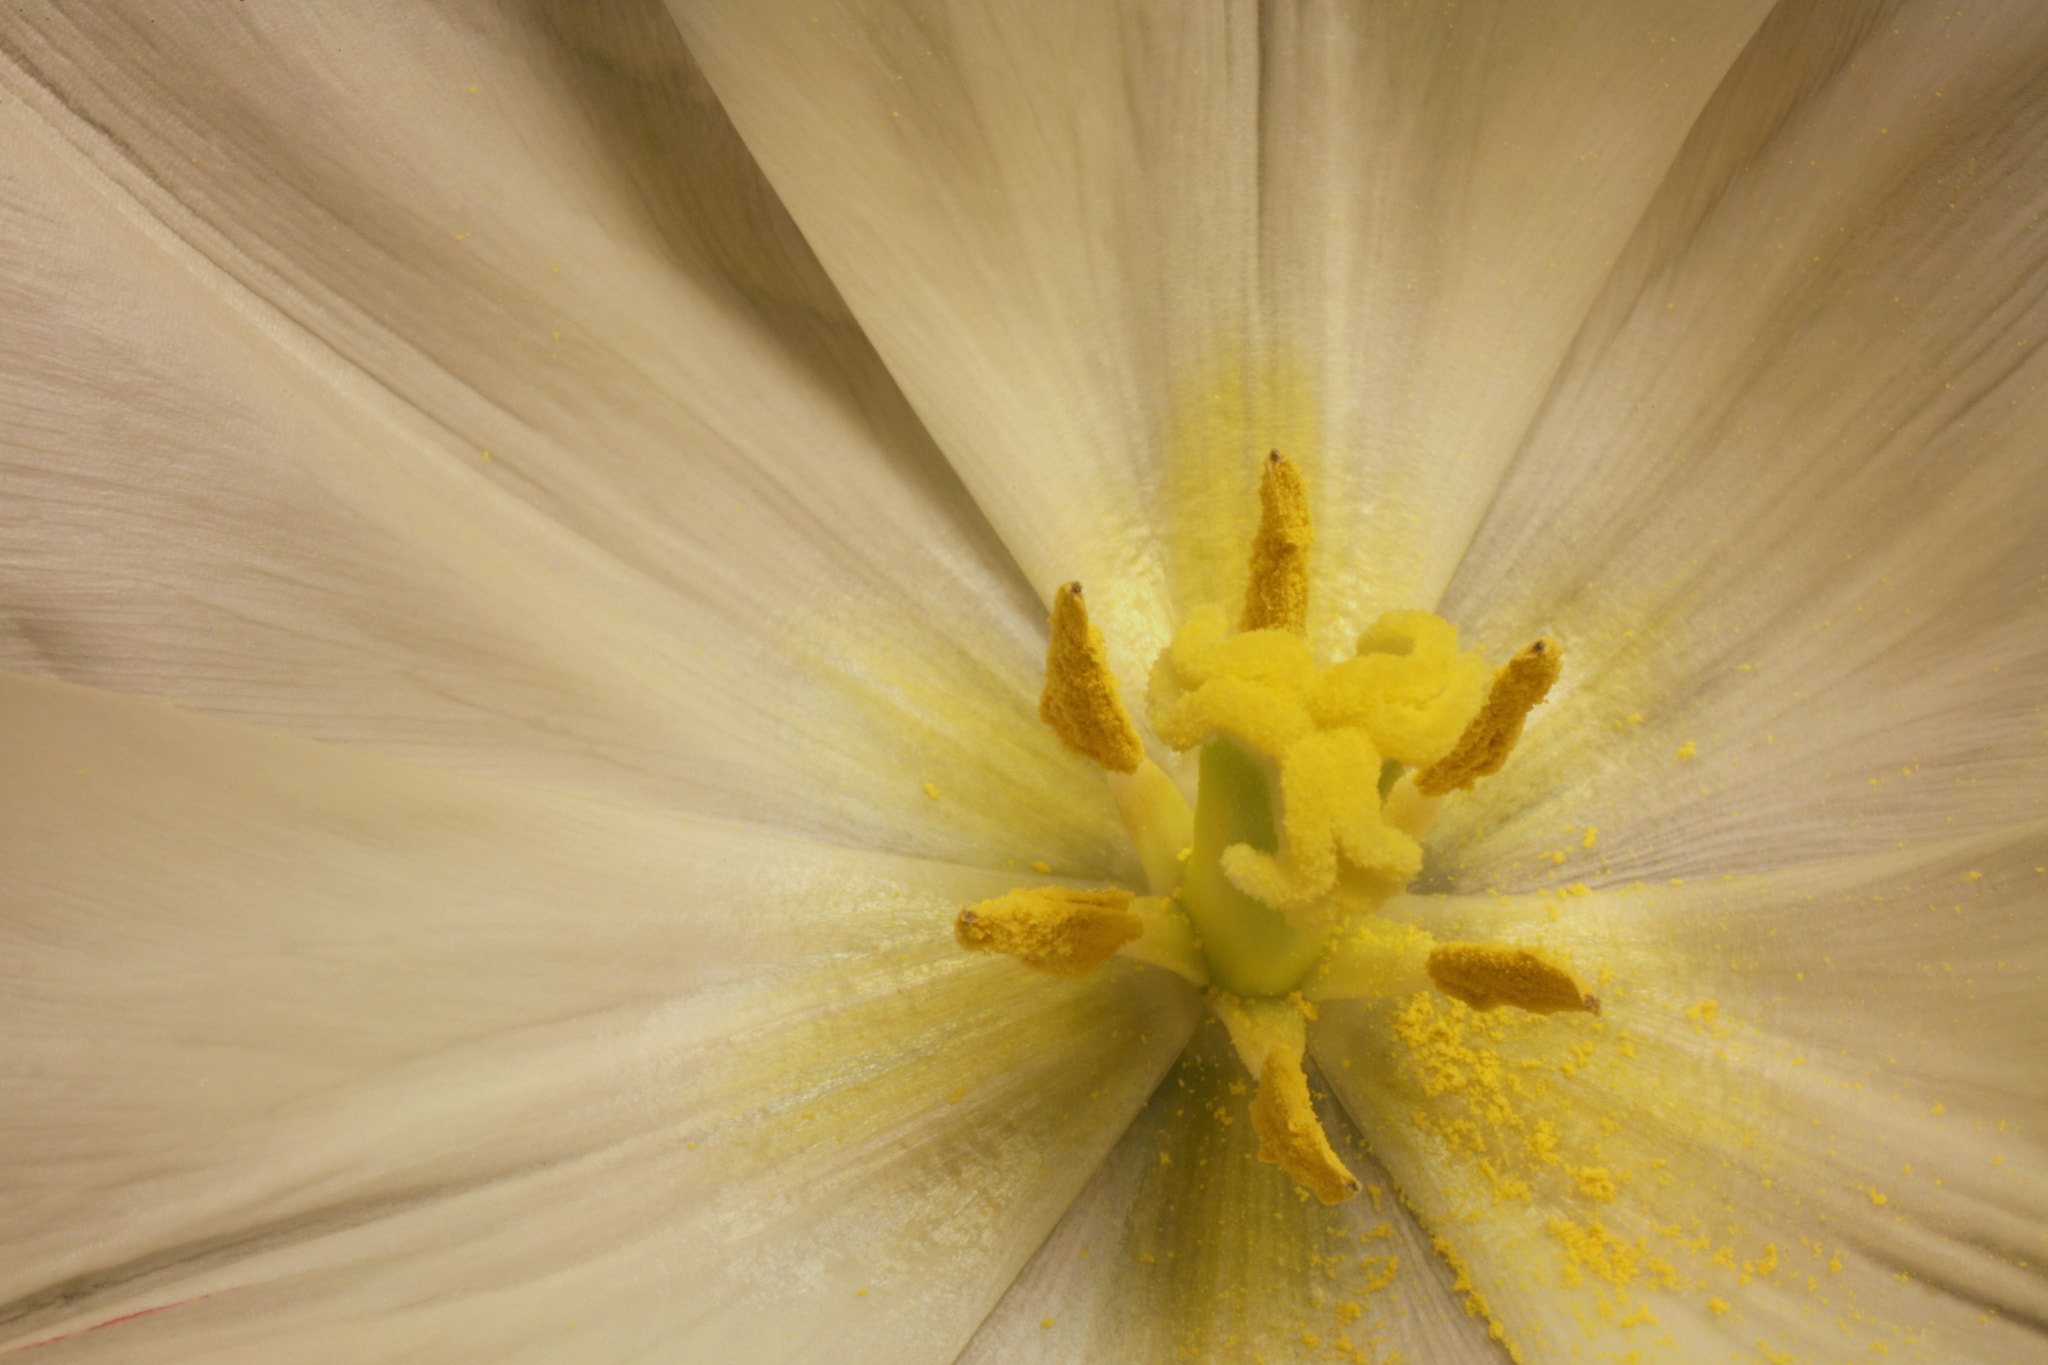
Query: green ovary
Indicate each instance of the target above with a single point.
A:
(1251, 950)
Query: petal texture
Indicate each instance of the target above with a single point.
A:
(1784, 507)
(450, 385)
(1113, 252)
(315, 1056)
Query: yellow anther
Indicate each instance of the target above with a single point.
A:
(1081, 701)
(1277, 597)
(1519, 685)
(1168, 940)
(1271, 1036)
(1056, 929)
(1290, 1135)
(1485, 975)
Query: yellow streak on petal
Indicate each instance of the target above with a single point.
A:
(1059, 930)
(1081, 701)
(1277, 596)
(1486, 975)
(1475, 1302)
(1520, 684)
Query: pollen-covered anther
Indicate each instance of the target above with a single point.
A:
(1082, 702)
(1277, 596)
(1062, 931)
(1290, 1135)
(1488, 975)
(1271, 1037)
(1518, 687)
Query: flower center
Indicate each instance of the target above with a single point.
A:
(1316, 786)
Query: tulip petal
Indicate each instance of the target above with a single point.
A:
(1186, 1247)
(1113, 253)
(1784, 506)
(317, 1056)
(457, 390)
(1810, 1120)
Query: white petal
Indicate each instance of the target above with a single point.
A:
(1786, 502)
(1186, 1247)
(457, 390)
(1113, 253)
(314, 1056)
(1814, 1098)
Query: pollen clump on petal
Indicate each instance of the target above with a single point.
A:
(1488, 975)
(1058, 930)
(1082, 702)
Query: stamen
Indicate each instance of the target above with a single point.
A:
(1271, 1037)
(1523, 682)
(1373, 958)
(1081, 701)
(1168, 940)
(1290, 1135)
(1486, 975)
(1055, 929)
(1157, 818)
(1277, 598)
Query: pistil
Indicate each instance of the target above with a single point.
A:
(1315, 786)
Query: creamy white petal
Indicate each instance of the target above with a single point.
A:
(1785, 505)
(1186, 1247)
(1115, 252)
(317, 1056)
(1810, 1122)
(453, 387)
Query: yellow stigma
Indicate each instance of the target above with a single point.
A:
(1487, 741)
(1487, 975)
(1277, 596)
(1081, 701)
(1058, 930)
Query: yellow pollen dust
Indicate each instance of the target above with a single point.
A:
(1278, 596)
(1520, 684)
(1487, 975)
(1058, 930)
(1081, 701)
